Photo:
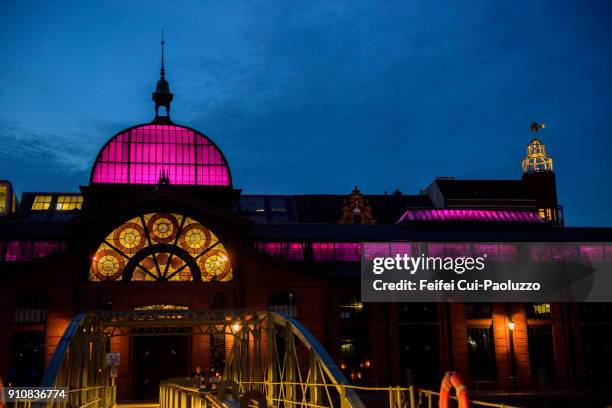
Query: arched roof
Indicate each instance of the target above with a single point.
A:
(145, 153)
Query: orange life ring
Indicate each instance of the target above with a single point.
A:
(451, 380)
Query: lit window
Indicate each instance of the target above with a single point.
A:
(4, 198)
(41, 202)
(278, 205)
(176, 248)
(69, 202)
(253, 204)
(30, 308)
(350, 306)
(538, 310)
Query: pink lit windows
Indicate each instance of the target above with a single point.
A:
(28, 250)
(140, 155)
(336, 251)
(497, 252)
(290, 251)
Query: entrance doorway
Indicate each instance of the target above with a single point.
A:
(157, 358)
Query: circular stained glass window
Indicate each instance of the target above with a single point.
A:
(163, 227)
(108, 264)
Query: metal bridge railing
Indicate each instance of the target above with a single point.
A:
(392, 397)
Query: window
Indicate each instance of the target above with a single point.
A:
(289, 251)
(478, 311)
(284, 302)
(481, 352)
(351, 307)
(278, 205)
(28, 358)
(354, 353)
(541, 351)
(253, 205)
(419, 343)
(419, 353)
(417, 312)
(30, 308)
(41, 202)
(5, 198)
(69, 202)
(217, 352)
(161, 247)
(538, 310)
(27, 250)
(596, 339)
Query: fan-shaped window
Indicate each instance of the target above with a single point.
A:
(161, 247)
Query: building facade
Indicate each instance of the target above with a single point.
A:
(161, 225)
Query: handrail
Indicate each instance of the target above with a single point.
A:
(175, 396)
(412, 392)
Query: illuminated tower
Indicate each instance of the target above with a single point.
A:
(539, 177)
(537, 160)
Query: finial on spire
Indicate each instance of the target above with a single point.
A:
(162, 71)
(162, 95)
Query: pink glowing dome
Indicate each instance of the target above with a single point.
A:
(143, 154)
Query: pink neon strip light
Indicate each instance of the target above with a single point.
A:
(471, 215)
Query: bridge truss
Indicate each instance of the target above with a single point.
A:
(271, 353)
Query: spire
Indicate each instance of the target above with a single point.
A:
(162, 71)
(162, 95)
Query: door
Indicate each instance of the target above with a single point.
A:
(157, 358)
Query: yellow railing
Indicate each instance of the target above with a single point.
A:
(175, 396)
(393, 397)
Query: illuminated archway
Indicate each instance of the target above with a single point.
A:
(161, 247)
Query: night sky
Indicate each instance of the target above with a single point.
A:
(308, 97)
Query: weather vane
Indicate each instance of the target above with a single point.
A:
(535, 126)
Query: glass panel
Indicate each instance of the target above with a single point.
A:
(69, 202)
(41, 202)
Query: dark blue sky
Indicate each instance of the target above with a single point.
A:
(309, 97)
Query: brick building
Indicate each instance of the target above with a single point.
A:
(162, 225)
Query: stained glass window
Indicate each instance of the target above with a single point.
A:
(139, 156)
(161, 247)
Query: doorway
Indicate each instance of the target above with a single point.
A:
(157, 358)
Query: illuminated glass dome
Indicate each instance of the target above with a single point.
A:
(161, 152)
(146, 154)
